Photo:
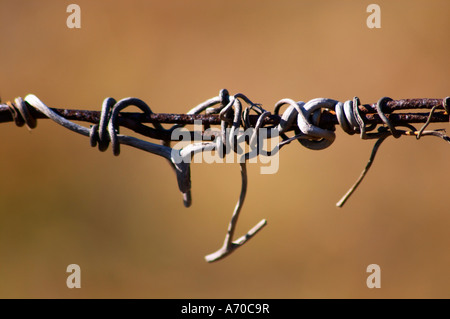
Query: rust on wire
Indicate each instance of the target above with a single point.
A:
(313, 124)
(131, 120)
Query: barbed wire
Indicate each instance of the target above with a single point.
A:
(313, 122)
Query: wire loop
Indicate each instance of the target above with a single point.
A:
(21, 114)
(234, 113)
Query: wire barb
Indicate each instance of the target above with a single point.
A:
(313, 123)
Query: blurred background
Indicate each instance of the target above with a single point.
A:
(122, 218)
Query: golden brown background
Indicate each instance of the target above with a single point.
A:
(122, 218)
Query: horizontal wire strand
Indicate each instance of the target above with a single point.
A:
(313, 123)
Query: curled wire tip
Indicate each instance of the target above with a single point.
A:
(344, 198)
(187, 199)
(229, 247)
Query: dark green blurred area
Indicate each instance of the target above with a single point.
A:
(122, 218)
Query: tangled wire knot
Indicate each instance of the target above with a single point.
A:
(304, 117)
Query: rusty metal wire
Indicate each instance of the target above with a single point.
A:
(313, 123)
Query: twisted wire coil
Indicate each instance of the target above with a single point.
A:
(304, 116)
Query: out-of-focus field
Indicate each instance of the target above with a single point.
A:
(122, 218)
